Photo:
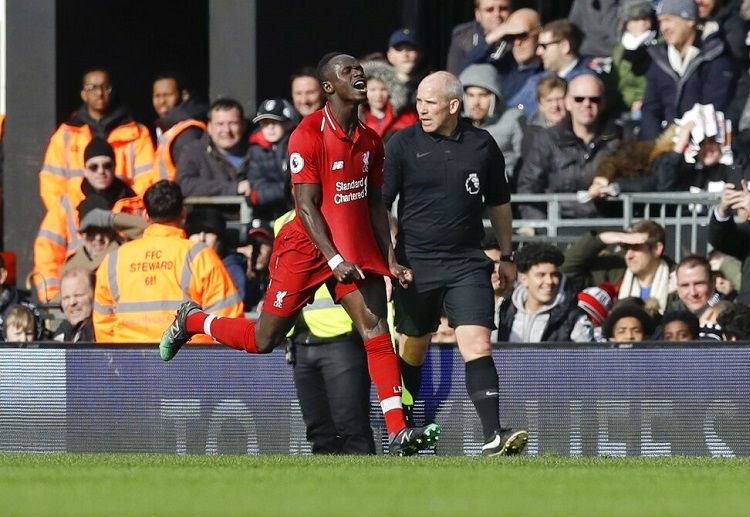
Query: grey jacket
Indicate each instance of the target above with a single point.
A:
(203, 171)
(505, 125)
(559, 320)
(561, 162)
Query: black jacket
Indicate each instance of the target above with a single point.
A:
(563, 163)
(83, 332)
(733, 239)
(270, 182)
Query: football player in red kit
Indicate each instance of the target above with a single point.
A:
(340, 237)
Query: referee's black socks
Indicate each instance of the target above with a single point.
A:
(483, 389)
(411, 376)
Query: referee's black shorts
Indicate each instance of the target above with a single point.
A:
(461, 290)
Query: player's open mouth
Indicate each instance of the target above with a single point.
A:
(360, 84)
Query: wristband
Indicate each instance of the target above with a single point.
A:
(334, 261)
(507, 258)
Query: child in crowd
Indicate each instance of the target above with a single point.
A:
(680, 326)
(387, 109)
(23, 324)
(630, 60)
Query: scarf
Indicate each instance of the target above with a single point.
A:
(659, 287)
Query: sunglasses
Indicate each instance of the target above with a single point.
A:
(103, 166)
(594, 100)
(544, 46)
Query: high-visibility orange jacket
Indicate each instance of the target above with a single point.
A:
(58, 239)
(165, 167)
(62, 170)
(140, 286)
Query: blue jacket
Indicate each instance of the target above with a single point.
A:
(709, 79)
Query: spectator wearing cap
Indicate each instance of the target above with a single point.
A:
(268, 171)
(58, 236)
(539, 308)
(387, 109)
(596, 302)
(484, 105)
(690, 67)
(488, 16)
(511, 49)
(628, 323)
(630, 60)
(405, 55)
(217, 164)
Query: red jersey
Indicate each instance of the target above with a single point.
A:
(321, 152)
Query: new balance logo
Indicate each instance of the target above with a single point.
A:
(338, 165)
(279, 299)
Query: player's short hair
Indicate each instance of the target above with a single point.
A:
(549, 83)
(538, 253)
(324, 65)
(177, 77)
(225, 104)
(654, 231)
(691, 261)
(735, 321)
(565, 30)
(687, 317)
(163, 201)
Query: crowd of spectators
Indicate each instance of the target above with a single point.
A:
(650, 96)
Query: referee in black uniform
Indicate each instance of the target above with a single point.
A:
(444, 172)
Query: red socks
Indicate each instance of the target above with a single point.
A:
(383, 365)
(238, 333)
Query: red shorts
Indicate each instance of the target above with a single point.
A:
(297, 269)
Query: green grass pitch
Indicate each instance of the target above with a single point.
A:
(164, 485)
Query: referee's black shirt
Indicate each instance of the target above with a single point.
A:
(443, 183)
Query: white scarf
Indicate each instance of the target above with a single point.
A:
(659, 287)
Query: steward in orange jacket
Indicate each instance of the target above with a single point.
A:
(181, 121)
(58, 236)
(140, 285)
(62, 170)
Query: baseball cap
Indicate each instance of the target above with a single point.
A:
(404, 35)
(687, 9)
(274, 109)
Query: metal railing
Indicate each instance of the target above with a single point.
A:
(684, 216)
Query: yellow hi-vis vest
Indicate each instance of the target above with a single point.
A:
(323, 317)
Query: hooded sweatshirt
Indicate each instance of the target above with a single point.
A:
(505, 125)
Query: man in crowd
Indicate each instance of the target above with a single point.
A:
(640, 271)
(307, 96)
(446, 172)
(488, 15)
(322, 246)
(97, 117)
(729, 237)
(77, 299)
(694, 285)
(181, 121)
(690, 67)
(139, 285)
(405, 55)
(217, 163)
(511, 48)
(58, 237)
(539, 309)
(566, 155)
(485, 106)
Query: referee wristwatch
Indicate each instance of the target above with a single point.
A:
(508, 258)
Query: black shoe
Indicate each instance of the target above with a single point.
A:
(176, 334)
(506, 442)
(411, 440)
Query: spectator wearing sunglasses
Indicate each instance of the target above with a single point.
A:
(58, 239)
(566, 155)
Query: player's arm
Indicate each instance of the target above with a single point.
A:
(307, 196)
(382, 231)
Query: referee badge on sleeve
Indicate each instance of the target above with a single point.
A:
(296, 162)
